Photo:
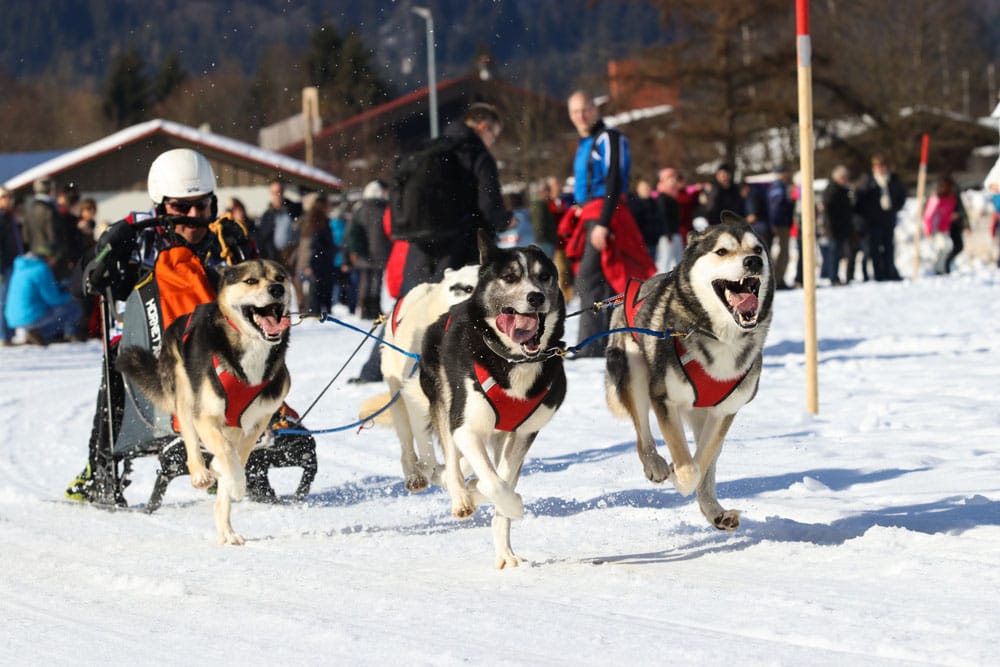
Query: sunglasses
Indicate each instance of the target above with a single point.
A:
(185, 205)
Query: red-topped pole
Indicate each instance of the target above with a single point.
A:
(808, 231)
(919, 214)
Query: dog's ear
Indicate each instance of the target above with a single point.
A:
(729, 218)
(486, 246)
(222, 270)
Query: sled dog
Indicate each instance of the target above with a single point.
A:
(717, 302)
(221, 372)
(492, 382)
(405, 328)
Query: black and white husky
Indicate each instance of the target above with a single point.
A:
(719, 300)
(221, 372)
(492, 381)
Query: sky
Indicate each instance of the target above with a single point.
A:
(870, 530)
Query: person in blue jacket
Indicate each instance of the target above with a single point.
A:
(38, 303)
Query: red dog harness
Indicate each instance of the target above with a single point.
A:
(238, 394)
(708, 391)
(510, 411)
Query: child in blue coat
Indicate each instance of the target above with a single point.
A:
(36, 302)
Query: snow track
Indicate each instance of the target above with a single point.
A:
(869, 534)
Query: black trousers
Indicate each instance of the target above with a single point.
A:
(592, 286)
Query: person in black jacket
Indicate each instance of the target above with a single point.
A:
(474, 136)
(880, 197)
(838, 216)
(724, 196)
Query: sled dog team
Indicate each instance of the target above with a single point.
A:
(490, 373)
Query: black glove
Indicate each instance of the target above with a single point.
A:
(96, 275)
(118, 235)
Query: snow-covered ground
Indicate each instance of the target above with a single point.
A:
(870, 534)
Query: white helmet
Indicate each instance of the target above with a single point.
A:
(181, 172)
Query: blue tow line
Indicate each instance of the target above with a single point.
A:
(562, 352)
(325, 317)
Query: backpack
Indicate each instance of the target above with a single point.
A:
(431, 195)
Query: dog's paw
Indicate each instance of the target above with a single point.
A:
(463, 509)
(415, 483)
(685, 478)
(728, 520)
(506, 560)
(656, 468)
(231, 537)
(201, 479)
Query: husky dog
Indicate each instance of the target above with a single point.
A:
(492, 380)
(717, 303)
(410, 317)
(222, 373)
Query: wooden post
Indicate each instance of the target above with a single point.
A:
(808, 231)
(310, 111)
(919, 213)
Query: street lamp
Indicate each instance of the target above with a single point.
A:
(426, 15)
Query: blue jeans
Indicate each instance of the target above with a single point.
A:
(62, 320)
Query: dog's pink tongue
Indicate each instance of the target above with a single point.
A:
(742, 302)
(272, 325)
(519, 328)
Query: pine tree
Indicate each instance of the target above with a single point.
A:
(127, 91)
(343, 70)
(170, 77)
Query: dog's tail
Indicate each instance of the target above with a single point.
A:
(142, 369)
(617, 380)
(372, 405)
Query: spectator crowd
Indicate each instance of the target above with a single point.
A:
(342, 254)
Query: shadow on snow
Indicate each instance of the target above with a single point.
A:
(952, 515)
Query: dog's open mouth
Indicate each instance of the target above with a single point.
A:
(525, 329)
(271, 321)
(741, 299)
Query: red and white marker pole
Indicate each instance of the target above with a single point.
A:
(808, 231)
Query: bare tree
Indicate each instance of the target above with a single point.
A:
(735, 67)
(879, 63)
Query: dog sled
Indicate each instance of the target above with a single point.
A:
(127, 426)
